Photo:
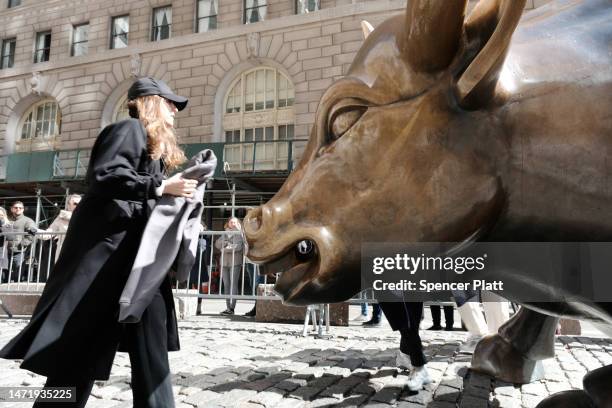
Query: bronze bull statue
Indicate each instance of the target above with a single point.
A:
(447, 128)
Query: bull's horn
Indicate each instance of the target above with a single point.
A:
(367, 29)
(433, 32)
(489, 27)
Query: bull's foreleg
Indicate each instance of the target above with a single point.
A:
(514, 353)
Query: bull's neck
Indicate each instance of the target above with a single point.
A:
(555, 179)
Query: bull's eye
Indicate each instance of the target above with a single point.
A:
(344, 121)
(344, 116)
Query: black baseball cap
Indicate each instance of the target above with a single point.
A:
(151, 86)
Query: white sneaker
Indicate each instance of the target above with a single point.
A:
(360, 318)
(418, 378)
(403, 361)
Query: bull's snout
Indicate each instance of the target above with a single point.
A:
(268, 231)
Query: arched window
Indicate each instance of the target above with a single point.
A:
(258, 119)
(121, 111)
(39, 126)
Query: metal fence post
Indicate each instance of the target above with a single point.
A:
(38, 206)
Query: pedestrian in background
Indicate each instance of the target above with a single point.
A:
(231, 246)
(18, 232)
(3, 248)
(436, 317)
(59, 226)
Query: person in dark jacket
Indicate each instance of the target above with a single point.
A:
(74, 332)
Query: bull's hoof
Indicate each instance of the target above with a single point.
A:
(568, 399)
(597, 385)
(497, 358)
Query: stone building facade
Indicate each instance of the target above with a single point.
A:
(84, 81)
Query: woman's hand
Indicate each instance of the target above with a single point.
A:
(179, 186)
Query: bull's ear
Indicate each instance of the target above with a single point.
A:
(367, 29)
(488, 31)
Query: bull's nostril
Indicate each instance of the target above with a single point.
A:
(252, 222)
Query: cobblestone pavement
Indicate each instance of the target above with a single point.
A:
(239, 363)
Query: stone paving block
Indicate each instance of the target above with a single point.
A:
(363, 372)
(323, 402)
(530, 401)
(325, 363)
(107, 391)
(468, 401)
(287, 385)
(337, 391)
(267, 398)
(423, 397)
(306, 393)
(351, 363)
(387, 395)
(554, 387)
(202, 397)
(259, 385)
(123, 396)
(250, 376)
(247, 404)
(535, 388)
(441, 404)
(575, 379)
(337, 371)
(366, 388)
(278, 377)
(187, 391)
(267, 370)
(507, 389)
(373, 363)
(503, 401)
(452, 382)
(445, 393)
(312, 371)
(408, 404)
(230, 399)
(123, 404)
(228, 386)
(324, 382)
(290, 403)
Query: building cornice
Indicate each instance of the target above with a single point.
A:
(300, 21)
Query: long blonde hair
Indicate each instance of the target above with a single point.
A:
(161, 140)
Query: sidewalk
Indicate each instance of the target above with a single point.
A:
(235, 362)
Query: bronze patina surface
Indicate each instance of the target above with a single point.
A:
(496, 126)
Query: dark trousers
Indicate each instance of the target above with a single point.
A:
(18, 268)
(449, 317)
(406, 317)
(376, 311)
(147, 342)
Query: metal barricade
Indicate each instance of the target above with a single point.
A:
(224, 274)
(26, 260)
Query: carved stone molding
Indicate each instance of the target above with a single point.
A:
(135, 65)
(36, 82)
(252, 44)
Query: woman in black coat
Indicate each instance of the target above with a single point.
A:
(74, 333)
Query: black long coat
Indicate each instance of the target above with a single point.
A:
(74, 329)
